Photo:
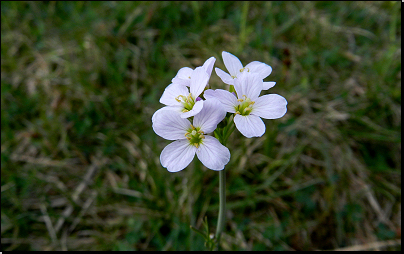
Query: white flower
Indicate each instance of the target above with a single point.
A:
(181, 99)
(235, 68)
(248, 106)
(190, 138)
(184, 75)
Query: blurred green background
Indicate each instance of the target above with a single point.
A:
(80, 165)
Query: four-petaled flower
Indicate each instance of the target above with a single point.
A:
(191, 138)
(248, 106)
(177, 97)
(235, 68)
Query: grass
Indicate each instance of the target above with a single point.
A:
(80, 165)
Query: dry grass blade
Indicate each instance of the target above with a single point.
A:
(79, 189)
(48, 223)
(371, 246)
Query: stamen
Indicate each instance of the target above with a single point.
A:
(185, 110)
(238, 113)
(240, 100)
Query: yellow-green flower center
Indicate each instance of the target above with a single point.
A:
(245, 106)
(188, 102)
(195, 136)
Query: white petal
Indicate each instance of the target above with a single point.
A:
(177, 155)
(232, 63)
(228, 99)
(211, 114)
(199, 80)
(262, 69)
(225, 77)
(208, 65)
(213, 154)
(268, 85)
(171, 92)
(209, 94)
(248, 84)
(183, 76)
(195, 110)
(172, 108)
(270, 106)
(250, 126)
(169, 125)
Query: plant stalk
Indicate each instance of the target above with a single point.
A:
(222, 206)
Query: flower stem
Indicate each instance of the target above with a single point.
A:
(222, 206)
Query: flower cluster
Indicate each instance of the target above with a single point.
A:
(193, 111)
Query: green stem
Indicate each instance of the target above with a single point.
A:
(222, 206)
(222, 183)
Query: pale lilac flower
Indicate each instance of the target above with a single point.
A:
(183, 99)
(184, 75)
(248, 107)
(191, 139)
(235, 68)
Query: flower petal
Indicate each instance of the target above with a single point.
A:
(213, 154)
(228, 99)
(172, 108)
(262, 69)
(268, 85)
(177, 155)
(211, 114)
(208, 65)
(248, 84)
(250, 126)
(232, 63)
(171, 92)
(270, 106)
(195, 110)
(169, 125)
(199, 80)
(225, 77)
(183, 76)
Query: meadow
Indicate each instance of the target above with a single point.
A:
(80, 167)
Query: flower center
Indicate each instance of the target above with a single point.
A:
(188, 102)
(244, 108)
(248, 70)
(195, 136)
(241, 70)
